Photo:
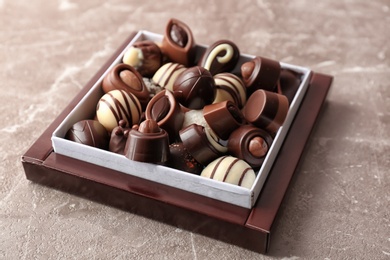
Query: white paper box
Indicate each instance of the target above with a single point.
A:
(182, 180)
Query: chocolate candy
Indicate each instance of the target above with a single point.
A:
(221, 56)
(125, 77)
(266, 110)
(164, 109)
(230, 170)
(223, 118)
(194, 88)
(147, 143)
(89, 132)
(144, 56)
(118, 138)
(178, 43)
(181, 159)
(167, 74)
(260, 73)
(250, 144)
(288, 84)
(118, 105)
(230, 87)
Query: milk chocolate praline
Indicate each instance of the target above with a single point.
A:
(118, 138)
(89, 132)
(181, 159)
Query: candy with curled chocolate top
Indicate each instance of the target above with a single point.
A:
(89, 132)
(221, 56)
(194, 88)
(167, 74)
(260, 73)
(166, 111)
(125, 77)
(178, 43)
(230, 87)
(250, 144)
(147, 143)
(144, 56)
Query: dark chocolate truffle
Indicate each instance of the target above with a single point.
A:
(181, 159)
(89, 132)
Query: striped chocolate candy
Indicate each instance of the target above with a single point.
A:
(118, 105)
(166, 75)
(230, 87)
(231, 170)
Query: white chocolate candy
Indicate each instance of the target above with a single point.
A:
(225, 48)
(166, 75)
(133, 57)
(230, 87)
(231, 170)
(118, 105)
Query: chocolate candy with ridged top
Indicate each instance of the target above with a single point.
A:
(230, 87)
(89, 132)
(194, 88)
(221, 56)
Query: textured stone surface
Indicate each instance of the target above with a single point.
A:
(338, 203)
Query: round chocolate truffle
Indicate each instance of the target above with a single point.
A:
(166, 75)
(230, 87)
(89, 132)
(194, 88)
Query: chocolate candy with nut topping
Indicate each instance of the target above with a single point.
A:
(194, 88)
(144, 56)
(260, 73)
(230, 87)
(147, 143)
(250, 144)
(221, 56)
(125, 77)
(178, 43)
(166, 111)
(89, 132)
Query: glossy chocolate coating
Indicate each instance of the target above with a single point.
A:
(230, 87)
(288, 84)
(194, 88)
(167, 74)
(147, 143)
(165, 110)
(223, 118)
(195, 140)
(178, 43)
(250, 144)
(260, 73)
(89, 132)
(125, 77)
(266, 110)
(221, 56)
(118, 138)
(144, 56)
(181, 159)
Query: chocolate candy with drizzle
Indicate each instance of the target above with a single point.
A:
(178, 43)
(89, 132)
(125, 77)
(167, 74)
(250, 144)
(230, 87)
(118, 105)
(230, 170)
(222, 56)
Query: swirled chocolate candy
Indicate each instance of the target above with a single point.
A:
(250, 144)
(230, 170)
(144, 56)
(223, 118)
(260, 73)
(89, 132)
(221, 56)
(178, 43)
(165, 110)
(118, 138)
(194, 88)
(118, 105)
(288, 84)
(181, 159)
(230, 87)
(125, 77)
(266, 110)
(167, 74)
(147, 143)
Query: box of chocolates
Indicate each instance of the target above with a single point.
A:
(199, 133)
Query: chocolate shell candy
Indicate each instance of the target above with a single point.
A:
(118, 138)
(178, 43)
(230, 170)
(194, 88)
(230, 87)
(165, 110)
(250, 144)
(221, 56)
(167, 74)
(125, 77)
(181, 159)
(147, 143)
(266, 110)
(118, 105)
(89, 132)
(288, 84)
(144, 56)
(260, 73)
